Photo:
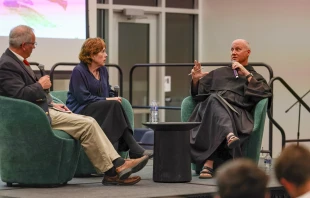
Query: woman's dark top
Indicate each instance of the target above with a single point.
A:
(84, 88)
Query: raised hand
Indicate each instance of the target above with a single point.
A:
(196, 71)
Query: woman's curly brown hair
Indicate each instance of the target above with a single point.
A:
(91, 47)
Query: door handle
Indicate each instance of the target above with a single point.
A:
(168, 99)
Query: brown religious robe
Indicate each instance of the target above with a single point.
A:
(225, 105)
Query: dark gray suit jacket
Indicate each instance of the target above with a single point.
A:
(17, 82)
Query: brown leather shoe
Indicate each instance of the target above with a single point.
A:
(131, 166)
(116, 181)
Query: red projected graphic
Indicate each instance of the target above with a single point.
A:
(49, 18)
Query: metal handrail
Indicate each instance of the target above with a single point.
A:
(74, 64)
(153, 65)
(299, 99)
(186, 65)
(291, 91)
(34, 63)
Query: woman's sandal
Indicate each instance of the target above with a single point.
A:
(206, 173)
(233, 141)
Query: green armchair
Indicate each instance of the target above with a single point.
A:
(31, 152)
(85, 167)
(253, 145)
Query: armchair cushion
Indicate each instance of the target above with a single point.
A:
(31, 152)
(253, 145)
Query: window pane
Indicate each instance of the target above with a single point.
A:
(101, 1)
(101, 23)
(136, 2)
(179, 49)
(133, 48)
(180, 4)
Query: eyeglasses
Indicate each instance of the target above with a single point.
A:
(32, 43)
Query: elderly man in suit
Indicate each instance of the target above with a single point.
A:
(17, 80)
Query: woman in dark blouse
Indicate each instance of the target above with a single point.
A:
(90, 94)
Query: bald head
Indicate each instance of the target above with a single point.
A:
(240, 51)
(242, 42)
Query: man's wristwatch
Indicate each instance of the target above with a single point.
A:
(249, 75)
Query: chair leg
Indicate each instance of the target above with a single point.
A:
(9, 184)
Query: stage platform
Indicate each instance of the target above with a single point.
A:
(92, 188)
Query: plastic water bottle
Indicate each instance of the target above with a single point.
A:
(268, 162)
(154, 112)
(261, 158)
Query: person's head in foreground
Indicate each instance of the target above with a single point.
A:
(241, 178)
(292, 170)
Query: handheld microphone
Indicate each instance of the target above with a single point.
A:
(42, 70)
(43, 73)
(235, 71)
(116, 90)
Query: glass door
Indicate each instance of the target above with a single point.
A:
(135, 41)
(179, 49)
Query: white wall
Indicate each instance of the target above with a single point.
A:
(278, 32)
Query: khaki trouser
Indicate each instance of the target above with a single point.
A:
(96, 145)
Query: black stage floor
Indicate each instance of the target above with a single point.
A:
(92, 187)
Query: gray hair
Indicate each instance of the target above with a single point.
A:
(19, 35)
